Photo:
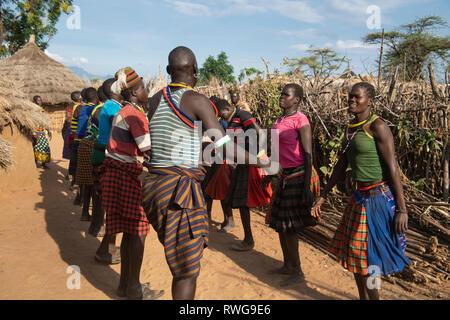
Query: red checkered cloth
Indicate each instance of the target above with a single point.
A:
(350, 240)
(122, 198)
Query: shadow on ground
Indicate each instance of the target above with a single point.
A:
(259, 264)
(76, 246)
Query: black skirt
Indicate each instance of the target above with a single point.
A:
(288, 213)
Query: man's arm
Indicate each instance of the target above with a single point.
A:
(201, 109)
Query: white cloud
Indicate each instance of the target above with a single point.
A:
(80, 60)
(298, 10)
(306, 33)
(242, 7)
(353, 44)
(294, 9)
(190, 9)
(301, 46)
(55, 56)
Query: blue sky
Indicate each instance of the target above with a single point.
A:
(141, 33)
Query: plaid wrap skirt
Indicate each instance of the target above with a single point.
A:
(174, 203)
(122, 197)
(83, 174)
(288, 213)
(365, 241)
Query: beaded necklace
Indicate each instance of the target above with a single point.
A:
(358, 127)
(181, 85)
(183, 116)
(232, 115)
(135, 106)
(350, 125)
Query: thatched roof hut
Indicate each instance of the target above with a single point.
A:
(18, 118)
(35, 73)
(347, 74)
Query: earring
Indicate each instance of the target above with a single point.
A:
(196, 75)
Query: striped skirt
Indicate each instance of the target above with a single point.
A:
(174, 203)
(84, 164)
(365, 241)
(288, 213)
(42, 149)
(122, 197)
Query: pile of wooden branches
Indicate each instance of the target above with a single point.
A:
(428, 237)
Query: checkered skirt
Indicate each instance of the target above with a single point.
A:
(288, 213)
(366, 237)
(84, 164)
(42, 149)
(122, 198)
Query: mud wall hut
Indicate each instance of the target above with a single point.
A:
(18, 118)
(35, 73)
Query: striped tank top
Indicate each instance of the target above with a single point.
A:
(174, 143)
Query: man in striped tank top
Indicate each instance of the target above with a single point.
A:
(172, 194)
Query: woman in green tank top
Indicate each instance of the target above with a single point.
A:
(369, 241)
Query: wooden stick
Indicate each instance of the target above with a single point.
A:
(320, 119)
(433, 81)
(381, 58)
(425, 203)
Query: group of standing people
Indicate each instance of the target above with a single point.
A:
(116, 131)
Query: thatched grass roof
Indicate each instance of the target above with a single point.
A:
(17, 109)
(35, 73)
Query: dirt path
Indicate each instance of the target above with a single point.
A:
(41, 235)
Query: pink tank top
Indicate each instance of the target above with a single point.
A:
(290, 150)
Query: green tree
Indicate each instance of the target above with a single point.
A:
(218, 68)
(412, 46)
(320, 63)
(249, 73)
(19, 19)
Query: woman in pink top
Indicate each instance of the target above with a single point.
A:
(298, 182)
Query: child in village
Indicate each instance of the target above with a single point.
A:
(83, 176)
(76, 102)
(85, 170)
(41, 145)
(369, 241)
(121, 188)
(217, 191)
(239, 186)
(73, 145)
(107, 251)
(298, 182)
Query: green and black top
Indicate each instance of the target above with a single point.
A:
(365, 161)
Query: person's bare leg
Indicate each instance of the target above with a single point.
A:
(228, 220)
(373, 294)
(359, 279)
(296, 276)
(285, 268)
(136, 246)
(124, 266)
(95, 228)
(87, 195)
(184, 289)
(245, 218)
